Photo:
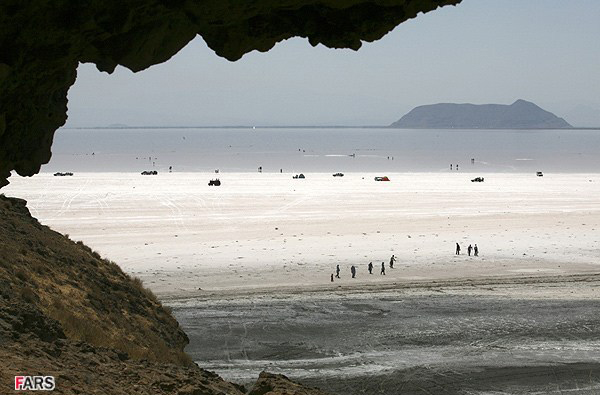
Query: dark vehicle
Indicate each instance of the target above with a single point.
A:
(539, 174)
(338, 175)
(298, 176)
(477, 179)
(384, 178)
(59, 174)
(149, 173)
(216, 182)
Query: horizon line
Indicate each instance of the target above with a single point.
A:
(253, 127)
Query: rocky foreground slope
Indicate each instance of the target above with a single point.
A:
(67, 313)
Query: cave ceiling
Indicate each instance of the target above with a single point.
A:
(43, 41)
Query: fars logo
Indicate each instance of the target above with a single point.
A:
(34, 383)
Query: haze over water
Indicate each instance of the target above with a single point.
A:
(324, 150)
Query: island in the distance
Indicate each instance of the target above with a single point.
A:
(519, 115)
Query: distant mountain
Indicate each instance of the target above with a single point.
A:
(519, 115)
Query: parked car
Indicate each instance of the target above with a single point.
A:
(477, 179)
(384, 178)
(338, 175)
(216, 182)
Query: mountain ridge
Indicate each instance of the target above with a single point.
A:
(521, 114)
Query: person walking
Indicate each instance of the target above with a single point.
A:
(469, 249)
(476, 250)
(337, 271)
(353, 271)
(382, 268)
(370, 267)
(331, 277)
(457, 249)
(392, 260)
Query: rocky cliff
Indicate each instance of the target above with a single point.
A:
(519, 115)
(67, 313)
(42, 42)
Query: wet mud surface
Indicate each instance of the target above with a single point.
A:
(439, 341)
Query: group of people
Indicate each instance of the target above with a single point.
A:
(470, 249)
(369, 268)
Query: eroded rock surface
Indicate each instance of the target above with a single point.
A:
(42, 42)
(278, 384)
(67, 313)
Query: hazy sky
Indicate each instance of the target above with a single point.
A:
(481, 51)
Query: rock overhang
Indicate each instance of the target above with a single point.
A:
(42, 42)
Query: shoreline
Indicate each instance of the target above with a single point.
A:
(507, 335)
(476, 284)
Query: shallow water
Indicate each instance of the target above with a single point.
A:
(303, 150)
(381, 342)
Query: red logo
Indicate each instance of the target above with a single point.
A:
(34, 383)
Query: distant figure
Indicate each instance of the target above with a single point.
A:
(337, 271)
(472, 161)
(457, 167)
(382, 268)
(457, 249)
(353, 271)
(392, 260)
(260, 169)
(281, 170)
(170, 169)
(370, 267)
(476, 250)
(450, 166)
(331, 277)
(469, 249)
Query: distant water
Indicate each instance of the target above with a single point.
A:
(324, 150)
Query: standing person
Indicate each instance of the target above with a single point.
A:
(469, 249)
(337, 271)
(370, 267)
(331, 277)
(392, 260)
(457, 249)
(353, 271)
(382, 268)
(476, 250)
